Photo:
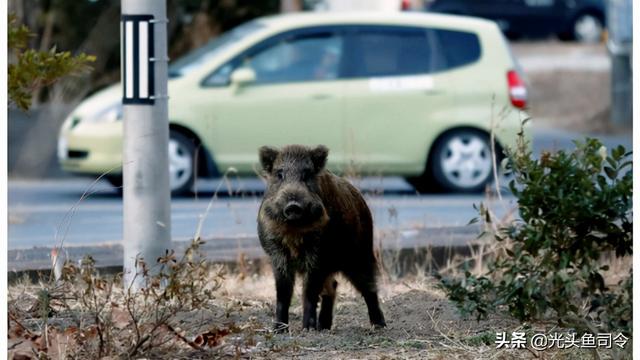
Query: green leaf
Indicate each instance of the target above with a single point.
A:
(618, 152)
(611, 173)
(473, 221)
(31, 69)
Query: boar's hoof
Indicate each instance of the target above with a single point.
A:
(310, 325)
(380, 325)
(280, 328)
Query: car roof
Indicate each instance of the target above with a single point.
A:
(303, 19)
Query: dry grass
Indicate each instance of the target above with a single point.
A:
(236, 322)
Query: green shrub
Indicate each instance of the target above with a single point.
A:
(575, 212)
(31, 69)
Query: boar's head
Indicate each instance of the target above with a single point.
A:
(293, 174)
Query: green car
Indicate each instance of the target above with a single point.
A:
(406, 94)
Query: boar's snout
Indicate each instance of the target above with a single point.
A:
(293, 210)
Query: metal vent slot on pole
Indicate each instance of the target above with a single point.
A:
(145, 164)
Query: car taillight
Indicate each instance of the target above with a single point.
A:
(517, 90)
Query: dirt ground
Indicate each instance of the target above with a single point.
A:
(421, 324)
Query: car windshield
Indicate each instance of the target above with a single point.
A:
(196, 58)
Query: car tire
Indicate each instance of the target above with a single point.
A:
(181, 163)
(587, 28)
(461, 162)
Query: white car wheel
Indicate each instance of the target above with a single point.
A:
(588, 29)
(462, 161)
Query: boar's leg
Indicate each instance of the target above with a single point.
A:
(284, 290)
(373, 305)
(312, 287)
(328, 298)
(365, 283)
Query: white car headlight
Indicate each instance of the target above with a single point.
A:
(62, 148)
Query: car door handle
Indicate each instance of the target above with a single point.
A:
(320, 96)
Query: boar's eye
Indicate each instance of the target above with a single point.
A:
(280, 174)
(307, 174)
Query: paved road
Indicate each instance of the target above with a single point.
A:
(42, 214)
(45, 213)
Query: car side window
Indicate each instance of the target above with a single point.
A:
(303, 57)
(392, 51)
(313, 57)
(221, 76)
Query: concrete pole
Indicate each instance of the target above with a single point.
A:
(621, 90)
(620, 44)
(146, 194)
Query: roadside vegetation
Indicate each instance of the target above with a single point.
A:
(554, 263)
(88, 315)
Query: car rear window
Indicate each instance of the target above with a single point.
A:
(396, 51)
(458, 47)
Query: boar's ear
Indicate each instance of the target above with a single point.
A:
(267, 156)
(319, 157)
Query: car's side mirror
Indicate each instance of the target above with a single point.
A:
(242, 76)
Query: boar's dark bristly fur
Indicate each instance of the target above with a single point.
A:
(316, 224)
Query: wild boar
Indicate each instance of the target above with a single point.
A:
(316, 224)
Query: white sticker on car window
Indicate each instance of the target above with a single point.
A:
(534, 3)
(401, 83)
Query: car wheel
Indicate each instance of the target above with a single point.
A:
(181, 163)
(587, 28)
(461, 161)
